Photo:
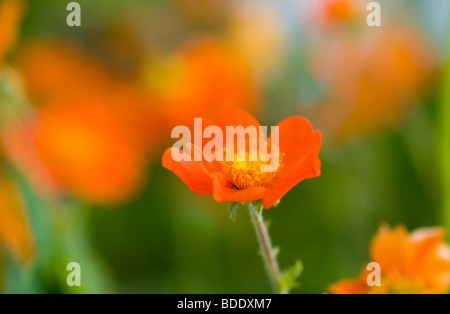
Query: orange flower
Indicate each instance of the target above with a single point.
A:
(92, 129)
(14, 231)
(202, 79)
(61, 70)
(241, 180)
(410, 263)
(333, 11)
(51, 68)
(79, 145)
(372, 80)
(87, 150)
(11, 12)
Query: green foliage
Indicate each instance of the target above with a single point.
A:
(232, 208)
(289, 277)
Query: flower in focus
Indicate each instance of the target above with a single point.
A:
(14, 230)
(241, 180)
(202, 79)
(11, 12)
(418, 262)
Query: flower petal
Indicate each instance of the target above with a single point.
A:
(191, 172)
(391, 249)
(300, 146)
(347, 286)
(235, 117)
(431, 258)
(222, 190)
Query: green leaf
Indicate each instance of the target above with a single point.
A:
(257, 207)
(276, 251)
(289, 276)
(232, 208)
(276, 203)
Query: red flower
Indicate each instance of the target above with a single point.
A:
(243, 181)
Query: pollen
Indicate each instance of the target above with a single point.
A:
(244, 173)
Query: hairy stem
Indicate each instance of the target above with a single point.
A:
(267, 251)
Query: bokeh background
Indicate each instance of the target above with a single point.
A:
(86, 112)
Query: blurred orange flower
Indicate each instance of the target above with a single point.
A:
(14, 229)
(370, 81)
(87, 150)
(11, 12)
(93, 129)
(418, 262)
(202, 79)
(335, 11)
(52, 68)
(243, 181)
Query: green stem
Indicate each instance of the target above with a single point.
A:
(445, 143)
(267, 251)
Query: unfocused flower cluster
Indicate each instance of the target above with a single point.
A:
(88, 130)
(418, 262)
(87, 117)
(370, 76)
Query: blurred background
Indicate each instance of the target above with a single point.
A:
(86, 113)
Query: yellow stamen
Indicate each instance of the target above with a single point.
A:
(245, 173)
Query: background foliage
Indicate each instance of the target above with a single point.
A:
(166, 239)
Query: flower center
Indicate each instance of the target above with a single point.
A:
(243, 173)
